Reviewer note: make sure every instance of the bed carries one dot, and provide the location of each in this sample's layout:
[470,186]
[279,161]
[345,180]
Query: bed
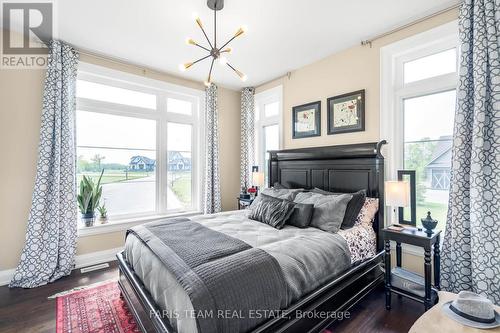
[151,291]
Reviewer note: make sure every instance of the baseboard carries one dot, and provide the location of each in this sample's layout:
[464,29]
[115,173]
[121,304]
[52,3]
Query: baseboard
[82,260]
[94,258]
[6,276]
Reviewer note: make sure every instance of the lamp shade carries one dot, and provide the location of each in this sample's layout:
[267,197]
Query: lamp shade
[258,178]
[397,193]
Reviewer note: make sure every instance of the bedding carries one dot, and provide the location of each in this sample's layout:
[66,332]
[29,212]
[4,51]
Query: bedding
[212,268]
[328,211]
[272,211]
[353,207]
[367,212]
[280,193]
[307,257]
[301,215]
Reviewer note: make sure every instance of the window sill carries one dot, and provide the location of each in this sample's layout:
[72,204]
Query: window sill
[124,224]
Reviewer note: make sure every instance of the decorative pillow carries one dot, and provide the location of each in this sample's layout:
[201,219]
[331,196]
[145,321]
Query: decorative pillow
[353,207]
[329,210]
[278,186]
[286,194]
[272,211]
[301,215]
[367,213]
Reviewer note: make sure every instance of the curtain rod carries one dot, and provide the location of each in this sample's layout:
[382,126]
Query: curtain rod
[371,40]
[120,61]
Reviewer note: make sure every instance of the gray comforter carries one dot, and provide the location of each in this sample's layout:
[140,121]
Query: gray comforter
[217,271]
[308,258]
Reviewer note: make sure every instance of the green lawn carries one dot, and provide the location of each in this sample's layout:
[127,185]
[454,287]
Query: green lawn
[438,212]
[114,176]
[181,186]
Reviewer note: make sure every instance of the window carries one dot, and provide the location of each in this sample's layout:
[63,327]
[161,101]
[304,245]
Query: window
[143,134]
[268,105]
[418,106]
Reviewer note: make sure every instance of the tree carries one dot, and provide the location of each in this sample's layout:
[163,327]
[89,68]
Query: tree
[82,164]
[417,156]
[97,160]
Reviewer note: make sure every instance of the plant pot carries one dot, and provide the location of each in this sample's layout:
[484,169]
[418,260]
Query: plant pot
[88,219]
[103,220]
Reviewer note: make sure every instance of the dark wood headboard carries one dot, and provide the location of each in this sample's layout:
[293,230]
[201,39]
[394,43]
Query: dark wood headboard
[346,168]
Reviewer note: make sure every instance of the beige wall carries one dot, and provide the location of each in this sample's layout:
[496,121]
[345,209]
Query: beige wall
[349,70]
[20,109]
[352,69]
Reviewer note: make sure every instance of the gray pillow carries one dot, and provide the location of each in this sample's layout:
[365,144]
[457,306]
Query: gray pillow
[329,210]
[353,207]
[301,215]
[278,186]
[286,194]
[272,211]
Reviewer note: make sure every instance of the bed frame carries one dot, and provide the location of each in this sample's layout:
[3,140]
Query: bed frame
[345,168]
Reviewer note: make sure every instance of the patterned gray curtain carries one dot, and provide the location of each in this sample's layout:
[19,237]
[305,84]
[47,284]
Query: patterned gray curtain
[212,200]
[247,136]
[471,249]
[49,250]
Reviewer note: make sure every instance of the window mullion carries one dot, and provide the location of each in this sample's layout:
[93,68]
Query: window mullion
[162,145]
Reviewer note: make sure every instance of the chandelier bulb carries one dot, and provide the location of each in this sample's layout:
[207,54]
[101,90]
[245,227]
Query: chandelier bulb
[197,18]
[185,66]
[243,29]
[243,77]
[227,50]
[207,83]
[190,41]
[222,60]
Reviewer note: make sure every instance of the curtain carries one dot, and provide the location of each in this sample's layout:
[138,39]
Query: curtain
[212,202]
[49,250]
[247,137]
[471,248]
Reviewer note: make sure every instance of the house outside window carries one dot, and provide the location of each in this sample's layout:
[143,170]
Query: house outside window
[418,95]
[145,135]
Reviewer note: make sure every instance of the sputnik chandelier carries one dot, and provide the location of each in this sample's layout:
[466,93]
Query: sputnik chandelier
[214,51]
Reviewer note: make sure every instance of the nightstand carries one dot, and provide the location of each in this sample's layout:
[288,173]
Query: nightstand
[412,236]
[243,203]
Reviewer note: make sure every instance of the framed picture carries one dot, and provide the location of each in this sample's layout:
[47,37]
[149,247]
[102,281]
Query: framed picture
[306,120]
[346,113]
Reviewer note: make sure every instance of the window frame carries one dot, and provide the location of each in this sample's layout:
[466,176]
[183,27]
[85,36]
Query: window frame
[261,121]
[162,90]
[394,91]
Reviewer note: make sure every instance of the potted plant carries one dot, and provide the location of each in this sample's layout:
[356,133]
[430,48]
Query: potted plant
[88,198]
[103,213]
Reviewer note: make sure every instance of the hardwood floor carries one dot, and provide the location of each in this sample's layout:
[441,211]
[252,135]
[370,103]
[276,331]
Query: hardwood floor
[29,310]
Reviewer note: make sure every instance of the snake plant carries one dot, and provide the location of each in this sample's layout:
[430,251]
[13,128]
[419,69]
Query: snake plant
[90,194]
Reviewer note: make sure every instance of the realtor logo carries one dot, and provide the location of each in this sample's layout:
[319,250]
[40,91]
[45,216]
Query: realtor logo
[27,27]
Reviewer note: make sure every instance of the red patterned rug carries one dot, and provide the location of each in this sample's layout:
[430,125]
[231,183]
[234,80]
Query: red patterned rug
[96,309]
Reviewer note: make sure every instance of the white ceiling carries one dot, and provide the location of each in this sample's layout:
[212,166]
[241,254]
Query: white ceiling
[283,35]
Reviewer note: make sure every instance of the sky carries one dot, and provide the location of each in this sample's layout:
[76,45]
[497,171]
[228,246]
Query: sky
[429,116]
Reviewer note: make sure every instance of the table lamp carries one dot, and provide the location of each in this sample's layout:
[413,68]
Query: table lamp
[257,180]
[397,194]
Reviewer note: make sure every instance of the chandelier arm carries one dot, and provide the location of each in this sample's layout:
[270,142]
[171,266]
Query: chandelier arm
[234,69]
[229,41]
[206,37]
[203,47]
[194,62]
[210,71]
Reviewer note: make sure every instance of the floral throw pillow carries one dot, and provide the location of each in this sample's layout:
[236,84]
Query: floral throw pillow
[367,212]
